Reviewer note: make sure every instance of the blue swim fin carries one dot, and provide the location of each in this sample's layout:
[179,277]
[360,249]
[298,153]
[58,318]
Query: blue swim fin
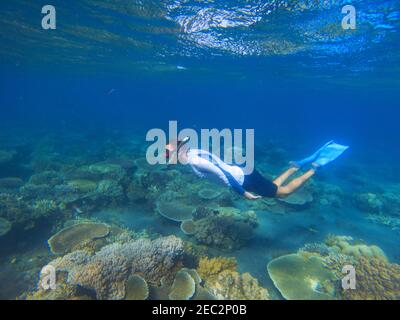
[311,158]
[329,153]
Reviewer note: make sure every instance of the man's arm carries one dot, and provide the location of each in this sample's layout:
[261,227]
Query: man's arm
[251,196]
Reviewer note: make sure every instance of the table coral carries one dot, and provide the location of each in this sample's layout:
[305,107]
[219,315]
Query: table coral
[68,238]
[183,287]
[299,200]
[175,211]
[188,227]
[136,288]
[298,277]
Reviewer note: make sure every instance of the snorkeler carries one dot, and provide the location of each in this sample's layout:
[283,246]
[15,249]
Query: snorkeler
[254,185]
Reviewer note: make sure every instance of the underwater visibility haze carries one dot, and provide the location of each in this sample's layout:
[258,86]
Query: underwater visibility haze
[84,81]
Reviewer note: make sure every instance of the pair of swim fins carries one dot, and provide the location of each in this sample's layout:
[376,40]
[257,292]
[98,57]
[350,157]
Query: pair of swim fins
[324,155]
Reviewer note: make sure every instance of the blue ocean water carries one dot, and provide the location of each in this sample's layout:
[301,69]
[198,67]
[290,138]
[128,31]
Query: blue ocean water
[88,92]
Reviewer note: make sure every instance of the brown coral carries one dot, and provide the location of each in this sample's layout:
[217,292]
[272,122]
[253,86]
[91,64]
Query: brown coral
[212,267]
[375,280]
[231,285]
[107,271]
[224,282]
[68,238]
[102,276]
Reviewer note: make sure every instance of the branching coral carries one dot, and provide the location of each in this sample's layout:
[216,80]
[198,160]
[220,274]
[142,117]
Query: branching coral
[106,271]
[231,285]
[375,280]
[345,246]
[212,267]
[43,207]
[224,282]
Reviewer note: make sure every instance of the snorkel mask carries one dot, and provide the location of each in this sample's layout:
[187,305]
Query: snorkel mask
[169,154]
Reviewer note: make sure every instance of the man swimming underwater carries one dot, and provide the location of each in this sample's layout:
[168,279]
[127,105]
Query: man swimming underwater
[254,185]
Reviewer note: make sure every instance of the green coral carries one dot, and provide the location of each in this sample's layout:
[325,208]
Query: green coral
[184,286]
[298,277]
[69,238]
[136,288]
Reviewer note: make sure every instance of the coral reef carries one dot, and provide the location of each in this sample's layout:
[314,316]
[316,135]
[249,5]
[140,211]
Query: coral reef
[48,177]
[209,194]
[224,227]
[298,277]
[225,283]
[188,227]
[208,268]
[376,277]
[183,287]
[82,185]
[329,194]
[136,288]
[5,226]
[174,210]
[369,202]
[231,285]
[344,245]
[43,207]
[299,200]
[63,291]
[107,270]
[16,210]
[376,280]
[68,238]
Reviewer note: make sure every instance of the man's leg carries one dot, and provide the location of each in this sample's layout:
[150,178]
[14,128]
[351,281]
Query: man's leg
[292,186]
[283,177]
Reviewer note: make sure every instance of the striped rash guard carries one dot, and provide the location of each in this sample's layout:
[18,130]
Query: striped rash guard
[206,165]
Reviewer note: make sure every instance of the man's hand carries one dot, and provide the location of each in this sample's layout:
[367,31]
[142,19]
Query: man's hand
[251,196]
